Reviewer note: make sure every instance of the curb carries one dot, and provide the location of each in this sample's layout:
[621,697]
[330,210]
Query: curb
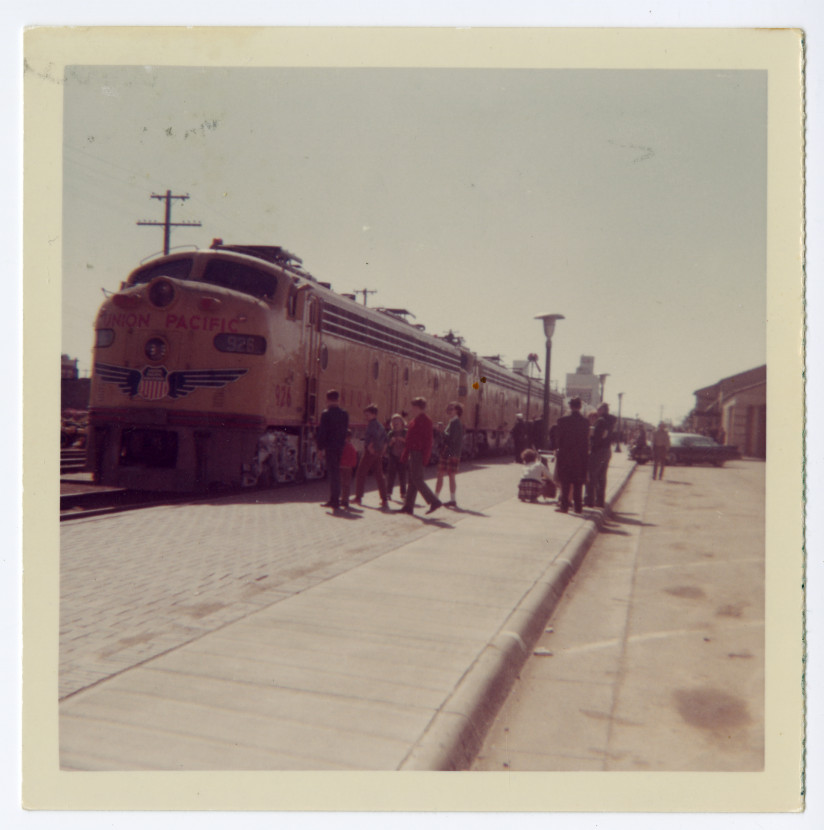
[456,733]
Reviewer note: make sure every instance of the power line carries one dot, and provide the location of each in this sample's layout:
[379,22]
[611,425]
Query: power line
[167,223]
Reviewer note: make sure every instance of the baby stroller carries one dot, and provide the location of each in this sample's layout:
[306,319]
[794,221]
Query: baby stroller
[529,489]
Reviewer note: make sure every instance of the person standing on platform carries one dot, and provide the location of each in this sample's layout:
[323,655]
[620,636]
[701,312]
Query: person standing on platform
[660,448]
[600,453]
[331,436]
[396,442]
[374,443]
[520,436]
[450,452]
[417,451]
[348,462]
[572,456]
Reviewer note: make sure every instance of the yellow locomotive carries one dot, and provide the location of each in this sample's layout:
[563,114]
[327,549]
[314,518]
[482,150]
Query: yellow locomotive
[211,367]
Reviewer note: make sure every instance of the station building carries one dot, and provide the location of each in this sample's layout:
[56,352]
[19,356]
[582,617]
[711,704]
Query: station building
[734,411]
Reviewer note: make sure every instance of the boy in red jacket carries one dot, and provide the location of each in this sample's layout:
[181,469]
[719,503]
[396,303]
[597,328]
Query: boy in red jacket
[417,451]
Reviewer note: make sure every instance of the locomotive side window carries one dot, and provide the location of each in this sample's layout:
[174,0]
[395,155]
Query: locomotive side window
[375,370]
[406,376]
[292,302]
[240,277]
[315,314]
[175,268]
[324,357]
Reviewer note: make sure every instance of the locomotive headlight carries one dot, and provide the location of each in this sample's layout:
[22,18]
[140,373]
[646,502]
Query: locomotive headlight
[103,338]
[161,293]
[156,349]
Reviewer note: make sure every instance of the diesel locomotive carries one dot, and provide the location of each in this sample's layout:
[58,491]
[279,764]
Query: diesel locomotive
[206,362]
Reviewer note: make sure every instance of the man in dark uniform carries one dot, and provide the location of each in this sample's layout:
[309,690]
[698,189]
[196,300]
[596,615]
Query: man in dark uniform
[331,437]
[572,455]
[599,457]
[520,436]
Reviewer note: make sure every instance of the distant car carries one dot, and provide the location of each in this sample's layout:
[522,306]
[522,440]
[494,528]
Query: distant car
[686,448]
[641,453]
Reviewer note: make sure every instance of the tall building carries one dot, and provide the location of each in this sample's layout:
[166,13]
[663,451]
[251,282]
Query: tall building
[68,367]
[74,390]
[584,383]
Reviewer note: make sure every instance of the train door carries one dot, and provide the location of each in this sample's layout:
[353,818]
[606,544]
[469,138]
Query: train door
[312,467]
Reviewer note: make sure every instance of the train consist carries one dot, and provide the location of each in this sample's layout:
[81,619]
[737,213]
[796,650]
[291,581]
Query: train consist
[206,362]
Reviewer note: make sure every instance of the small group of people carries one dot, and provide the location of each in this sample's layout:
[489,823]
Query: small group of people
[407,447]
[525,435]
[583,449]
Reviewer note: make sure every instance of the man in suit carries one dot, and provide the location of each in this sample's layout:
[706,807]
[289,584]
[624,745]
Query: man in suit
[331,436]
[601,441]
[417,451]
[520,436]
[572,456]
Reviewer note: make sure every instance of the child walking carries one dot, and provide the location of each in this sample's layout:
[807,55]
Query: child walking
[348,462]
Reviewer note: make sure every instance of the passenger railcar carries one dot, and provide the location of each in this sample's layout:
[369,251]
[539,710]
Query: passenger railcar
[208,362]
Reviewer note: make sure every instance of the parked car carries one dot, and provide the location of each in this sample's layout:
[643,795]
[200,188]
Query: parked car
[686,448]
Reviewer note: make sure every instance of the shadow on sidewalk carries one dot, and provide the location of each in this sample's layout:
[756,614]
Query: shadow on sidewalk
[468,512]
[624,519]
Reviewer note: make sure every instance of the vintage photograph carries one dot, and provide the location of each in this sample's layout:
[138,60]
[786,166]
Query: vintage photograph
[414,414]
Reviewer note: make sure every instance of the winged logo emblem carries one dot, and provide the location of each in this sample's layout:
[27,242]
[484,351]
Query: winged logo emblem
[155,382]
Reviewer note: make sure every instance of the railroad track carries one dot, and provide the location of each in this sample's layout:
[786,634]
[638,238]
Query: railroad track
[72,460]
[104,502]
[89,500]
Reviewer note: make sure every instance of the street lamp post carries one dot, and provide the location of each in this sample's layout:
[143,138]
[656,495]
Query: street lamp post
[603,379]
[549,329]
[618,442]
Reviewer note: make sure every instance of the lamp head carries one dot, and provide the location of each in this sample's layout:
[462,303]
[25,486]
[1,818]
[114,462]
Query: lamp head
[549,323]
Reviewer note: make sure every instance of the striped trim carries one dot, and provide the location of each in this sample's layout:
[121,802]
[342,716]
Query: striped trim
[361,329]
[507,381]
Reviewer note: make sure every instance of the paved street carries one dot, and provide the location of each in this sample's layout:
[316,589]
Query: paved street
[654,658]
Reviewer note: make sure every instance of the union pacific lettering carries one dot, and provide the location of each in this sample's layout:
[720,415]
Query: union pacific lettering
[197,322]
[188,322]
[125,319]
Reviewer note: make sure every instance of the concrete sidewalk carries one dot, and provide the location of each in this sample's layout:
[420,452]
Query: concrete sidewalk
[398,663]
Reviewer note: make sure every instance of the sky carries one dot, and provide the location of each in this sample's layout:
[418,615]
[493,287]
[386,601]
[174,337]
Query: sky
[632,202]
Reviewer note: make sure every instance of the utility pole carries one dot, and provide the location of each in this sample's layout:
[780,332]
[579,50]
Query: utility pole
[167,222]
[364,291]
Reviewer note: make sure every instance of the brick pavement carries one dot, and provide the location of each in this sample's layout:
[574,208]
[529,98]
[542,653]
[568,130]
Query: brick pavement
[137,584]
[390,649]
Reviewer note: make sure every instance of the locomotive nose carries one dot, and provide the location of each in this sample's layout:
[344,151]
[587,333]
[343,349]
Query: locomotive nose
[161,293]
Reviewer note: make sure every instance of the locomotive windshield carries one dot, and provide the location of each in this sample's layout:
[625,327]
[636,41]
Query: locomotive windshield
[223,272]
[240,277]
[175,268]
